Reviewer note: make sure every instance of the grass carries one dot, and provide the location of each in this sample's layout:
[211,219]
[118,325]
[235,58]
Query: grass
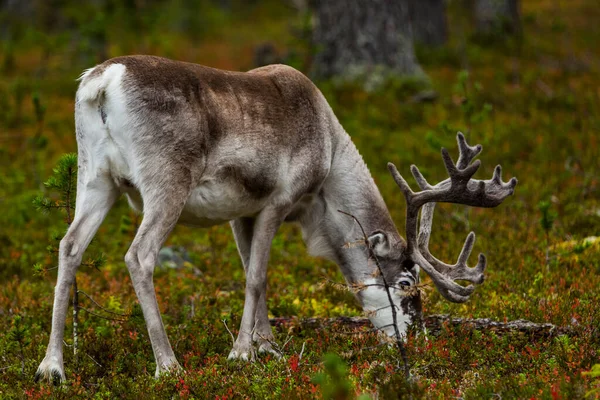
[541,122]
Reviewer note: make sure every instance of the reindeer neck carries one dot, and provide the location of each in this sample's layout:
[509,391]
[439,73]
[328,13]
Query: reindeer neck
[349,187]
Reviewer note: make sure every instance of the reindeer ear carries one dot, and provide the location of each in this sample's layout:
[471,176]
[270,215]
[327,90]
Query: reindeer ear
[379,243]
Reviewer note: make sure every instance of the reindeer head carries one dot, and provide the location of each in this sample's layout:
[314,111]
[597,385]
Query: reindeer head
[394,281]
[398,263]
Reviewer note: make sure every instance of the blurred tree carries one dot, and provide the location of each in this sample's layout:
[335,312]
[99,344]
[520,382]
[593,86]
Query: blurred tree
[496,17]
[354,36]
[429,23]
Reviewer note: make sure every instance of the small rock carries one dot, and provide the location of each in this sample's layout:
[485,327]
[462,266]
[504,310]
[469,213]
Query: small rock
[173,257]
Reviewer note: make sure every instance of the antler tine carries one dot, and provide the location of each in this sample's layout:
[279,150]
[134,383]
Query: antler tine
[400,181]
[411,211]
[461,270]
[467,248]
[497,177]
[495,191]
[455,298]
[459,176]
[447,287]
[466,153]
[421,181]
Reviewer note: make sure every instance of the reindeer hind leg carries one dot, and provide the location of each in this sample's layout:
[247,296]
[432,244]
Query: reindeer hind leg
[94,199]
[162,208]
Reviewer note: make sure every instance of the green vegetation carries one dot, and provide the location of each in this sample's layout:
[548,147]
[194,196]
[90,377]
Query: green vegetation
[533,105]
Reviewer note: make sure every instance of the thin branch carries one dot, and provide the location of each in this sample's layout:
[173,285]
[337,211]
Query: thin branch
[301,351]
[399,341]
[101,316]
[357,287]
[5,368]
[274,345]
[95,362]
[57,206]
[99,306]
[286,341]
[372,330]
[230,334]
[383,308]
[366,239]
[90,264]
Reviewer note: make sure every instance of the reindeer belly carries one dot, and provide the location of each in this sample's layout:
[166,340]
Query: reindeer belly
[214,203]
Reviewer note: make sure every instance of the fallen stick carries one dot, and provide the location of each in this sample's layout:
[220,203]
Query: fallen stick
[435,324]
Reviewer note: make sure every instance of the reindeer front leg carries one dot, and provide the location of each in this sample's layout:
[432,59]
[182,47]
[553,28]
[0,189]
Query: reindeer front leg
[243,229]
[263,232]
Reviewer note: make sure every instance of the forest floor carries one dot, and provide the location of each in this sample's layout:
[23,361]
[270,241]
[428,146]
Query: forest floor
[533,105]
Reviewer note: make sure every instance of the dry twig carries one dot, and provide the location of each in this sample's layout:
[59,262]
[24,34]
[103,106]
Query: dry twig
[230,334]
[399,342]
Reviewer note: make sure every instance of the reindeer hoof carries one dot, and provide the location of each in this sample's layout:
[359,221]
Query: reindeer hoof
[242,352]
[50,370]
[267,348]
[170,368]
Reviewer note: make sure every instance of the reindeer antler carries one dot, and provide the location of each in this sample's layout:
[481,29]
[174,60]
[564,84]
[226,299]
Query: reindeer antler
[460,189]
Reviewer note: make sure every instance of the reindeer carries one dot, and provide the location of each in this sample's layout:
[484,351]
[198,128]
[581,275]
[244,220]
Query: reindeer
[200,146]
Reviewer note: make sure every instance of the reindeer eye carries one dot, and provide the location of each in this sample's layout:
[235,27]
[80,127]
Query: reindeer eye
[404,283]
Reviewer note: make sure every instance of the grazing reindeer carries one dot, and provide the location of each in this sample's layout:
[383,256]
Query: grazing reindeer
[195,145]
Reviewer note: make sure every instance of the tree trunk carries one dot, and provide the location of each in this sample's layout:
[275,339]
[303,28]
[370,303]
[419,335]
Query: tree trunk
[355,36]
[429,23]
[497,17]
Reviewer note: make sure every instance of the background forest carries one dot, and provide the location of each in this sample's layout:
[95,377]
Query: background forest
[526,85]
